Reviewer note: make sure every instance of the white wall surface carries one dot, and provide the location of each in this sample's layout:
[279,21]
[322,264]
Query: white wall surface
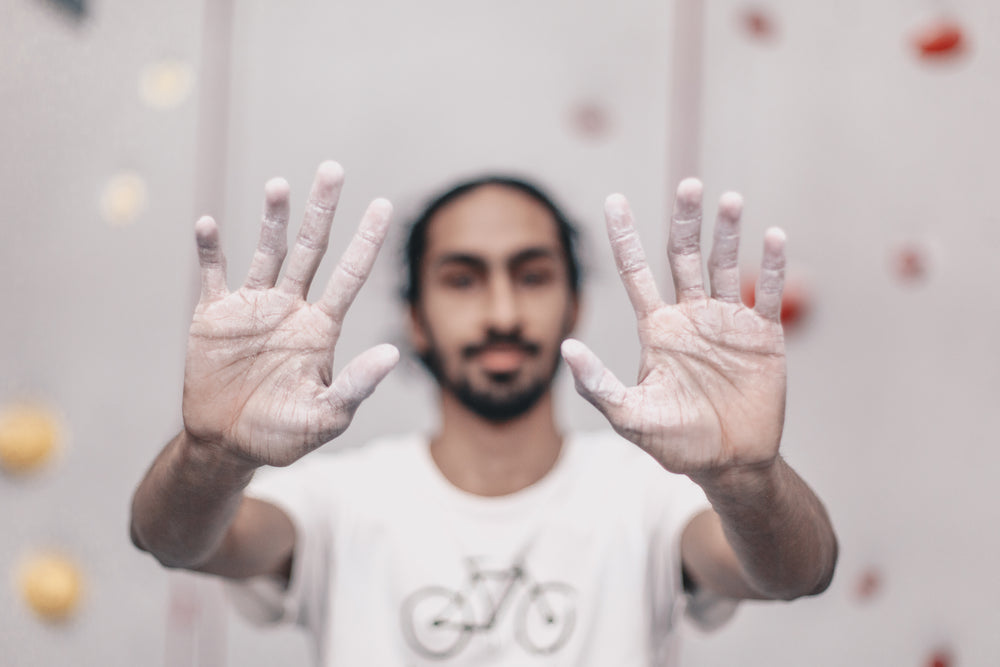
[92,316]
[833,130]
[839,133]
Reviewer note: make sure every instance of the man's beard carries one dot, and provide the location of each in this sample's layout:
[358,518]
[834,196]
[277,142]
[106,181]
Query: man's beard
[502,402]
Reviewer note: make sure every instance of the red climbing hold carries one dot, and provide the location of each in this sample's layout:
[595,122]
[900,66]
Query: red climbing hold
[758,23]
[909,262]
[591,120]
[942,37]
[940,659]
[868,585]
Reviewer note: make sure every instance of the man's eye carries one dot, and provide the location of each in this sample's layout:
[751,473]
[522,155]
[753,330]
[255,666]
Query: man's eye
[458,280]
[534,278]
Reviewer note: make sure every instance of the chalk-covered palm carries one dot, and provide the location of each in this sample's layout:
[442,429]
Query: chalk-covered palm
[711,390]
[258,377]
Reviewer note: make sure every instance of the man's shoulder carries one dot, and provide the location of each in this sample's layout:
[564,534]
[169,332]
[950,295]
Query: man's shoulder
[613,460]
[342,464]
[606,448]
[385,446]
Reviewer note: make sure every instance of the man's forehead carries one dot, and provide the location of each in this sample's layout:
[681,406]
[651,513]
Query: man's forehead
[492,220]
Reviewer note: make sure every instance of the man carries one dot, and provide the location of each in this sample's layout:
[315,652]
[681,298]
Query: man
[498,540]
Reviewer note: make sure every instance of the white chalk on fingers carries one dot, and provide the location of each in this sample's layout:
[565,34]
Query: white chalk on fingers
[774,249]
[382,206]
[775,236]
[591,374]
[731,204]
[330,169]
[571,348]
[205,227]
[616,206]
[362,374]
[385,355]
[377,218]
[276,190]
[689,192]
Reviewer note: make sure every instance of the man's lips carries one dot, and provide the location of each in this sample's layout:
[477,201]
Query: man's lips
[501,359]
[501,356]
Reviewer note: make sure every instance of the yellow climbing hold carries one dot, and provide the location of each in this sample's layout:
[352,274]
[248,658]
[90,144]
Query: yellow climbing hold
[29,435]
[51,585]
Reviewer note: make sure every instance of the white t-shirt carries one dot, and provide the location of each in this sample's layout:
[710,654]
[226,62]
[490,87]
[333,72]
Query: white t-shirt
[394,565]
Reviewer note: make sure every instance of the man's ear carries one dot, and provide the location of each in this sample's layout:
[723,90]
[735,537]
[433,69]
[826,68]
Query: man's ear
[418,333]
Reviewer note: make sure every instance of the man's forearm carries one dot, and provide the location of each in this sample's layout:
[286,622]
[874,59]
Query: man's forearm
[186,502]
[777,527]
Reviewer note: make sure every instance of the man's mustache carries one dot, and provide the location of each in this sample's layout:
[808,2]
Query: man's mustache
[501,340]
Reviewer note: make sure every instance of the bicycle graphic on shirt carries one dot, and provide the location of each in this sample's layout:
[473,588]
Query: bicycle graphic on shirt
[439,622]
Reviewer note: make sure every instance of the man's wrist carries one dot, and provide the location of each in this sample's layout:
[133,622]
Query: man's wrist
[741,483]
[213,460]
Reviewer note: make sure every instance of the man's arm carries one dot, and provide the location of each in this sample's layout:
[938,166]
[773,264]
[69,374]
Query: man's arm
[768,537]
[259,388]
[710,404]
[190,512]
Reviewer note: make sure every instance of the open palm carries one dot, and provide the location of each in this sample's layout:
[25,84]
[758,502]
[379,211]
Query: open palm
[258,378]
[711,389]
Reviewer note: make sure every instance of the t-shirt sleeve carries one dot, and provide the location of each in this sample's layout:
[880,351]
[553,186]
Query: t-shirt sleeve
[680,500]
[265,600]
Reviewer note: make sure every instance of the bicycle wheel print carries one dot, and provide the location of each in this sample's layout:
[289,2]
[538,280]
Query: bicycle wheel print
[546,616]
[437,622]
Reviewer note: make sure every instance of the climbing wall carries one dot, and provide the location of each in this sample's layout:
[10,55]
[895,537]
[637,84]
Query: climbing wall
[98,131]
[867,132]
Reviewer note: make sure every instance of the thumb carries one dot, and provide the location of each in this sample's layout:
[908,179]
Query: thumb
[593,380]
[358,379]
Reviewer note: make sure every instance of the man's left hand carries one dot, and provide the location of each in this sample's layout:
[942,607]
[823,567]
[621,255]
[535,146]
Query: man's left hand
[711,392]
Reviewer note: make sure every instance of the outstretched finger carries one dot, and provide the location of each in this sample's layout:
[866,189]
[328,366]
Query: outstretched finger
[273,244]
[630,257]
[357,261]
[771,282]
[723,263]
[684,244]
[593,380]
[358,379]
[211,260]
[314,235]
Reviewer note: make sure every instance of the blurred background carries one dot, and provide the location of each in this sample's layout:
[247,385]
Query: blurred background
[868,131]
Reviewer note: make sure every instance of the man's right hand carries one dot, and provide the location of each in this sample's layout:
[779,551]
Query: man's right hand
[258,381]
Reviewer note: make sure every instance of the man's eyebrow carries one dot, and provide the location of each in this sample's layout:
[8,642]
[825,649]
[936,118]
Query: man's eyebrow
[477,262]
[529,254]
[466,259]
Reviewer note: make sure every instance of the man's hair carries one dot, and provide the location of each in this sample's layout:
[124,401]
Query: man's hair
[416,243]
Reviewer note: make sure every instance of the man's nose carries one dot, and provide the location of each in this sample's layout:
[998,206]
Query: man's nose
[503,313]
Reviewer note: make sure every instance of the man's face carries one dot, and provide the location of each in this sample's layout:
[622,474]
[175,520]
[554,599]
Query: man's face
[495,301]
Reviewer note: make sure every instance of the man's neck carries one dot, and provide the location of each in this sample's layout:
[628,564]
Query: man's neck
[495,459]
